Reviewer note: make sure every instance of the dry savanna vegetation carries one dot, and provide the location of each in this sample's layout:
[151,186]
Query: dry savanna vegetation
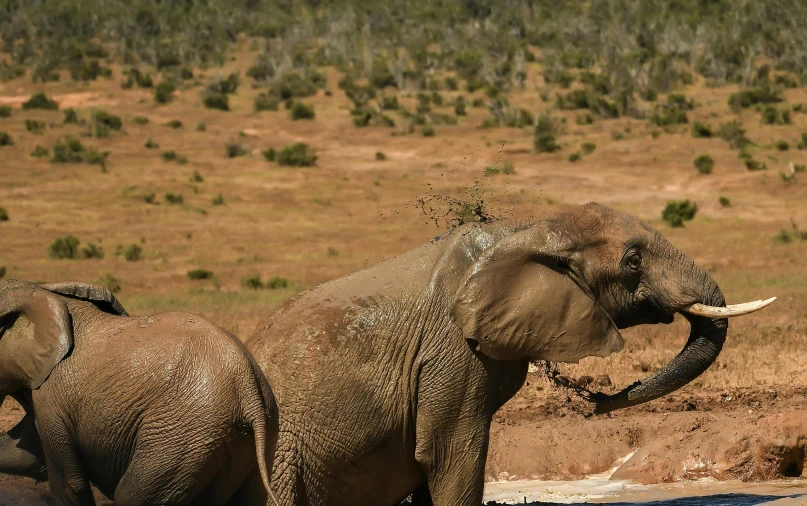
[265,147]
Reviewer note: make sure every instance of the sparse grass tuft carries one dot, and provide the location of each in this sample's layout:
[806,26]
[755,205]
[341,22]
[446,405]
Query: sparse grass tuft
[34,126]
[587,148]
[199,274]
[110,282]
[676,212]
[196,177]
[133,253]
[140,120]
[40,152]
[218,200]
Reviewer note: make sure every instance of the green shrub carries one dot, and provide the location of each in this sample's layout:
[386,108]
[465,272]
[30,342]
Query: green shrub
[233,150]
[174,198]
[269,154]
[140,120]
[133,253]
[5,111]
[299,110]
[34,126]
[734,133]
[760,95]
[252,283]
[70,150]
[196,177]
[724,201]
[218,200]
[218,101]
[174,123]
[135,77]
[201,126]
[92,251]
[701,130]
[704,164]
[150,198]
[782,145]
[266,102]
[546,143]
[754,165]
[784,237]
[3,214]
[459,106]
[40,101]
[169,156]
[507,167]
[388,103]
[297,155]
[587,148]
[584,119]
[164,92]
[40,152]
[427,131]
[276,282]
[5,139]
[71,117]
[676,212]
[478,102]
[773,116]
[450,83]
[106,119]
[225,86]
[574,157]
[64,248]
[150,144]
[380,156]
[199,274]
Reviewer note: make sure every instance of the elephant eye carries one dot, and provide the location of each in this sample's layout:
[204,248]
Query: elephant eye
[634,261]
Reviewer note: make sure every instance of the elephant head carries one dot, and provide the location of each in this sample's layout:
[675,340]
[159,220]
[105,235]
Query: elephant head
[559,289]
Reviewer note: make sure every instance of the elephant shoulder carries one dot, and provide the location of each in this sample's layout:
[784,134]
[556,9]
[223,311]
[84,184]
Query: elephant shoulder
[98,295]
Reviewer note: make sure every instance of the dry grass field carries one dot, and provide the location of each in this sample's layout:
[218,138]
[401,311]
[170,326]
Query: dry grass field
[244,216]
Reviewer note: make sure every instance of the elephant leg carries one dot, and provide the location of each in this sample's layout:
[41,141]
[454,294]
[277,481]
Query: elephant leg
[21,451]
[67,480]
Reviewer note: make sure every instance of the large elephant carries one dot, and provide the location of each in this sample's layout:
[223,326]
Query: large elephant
[387,379]
[162,409]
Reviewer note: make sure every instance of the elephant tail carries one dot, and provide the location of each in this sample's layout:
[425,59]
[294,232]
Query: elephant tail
[264,423]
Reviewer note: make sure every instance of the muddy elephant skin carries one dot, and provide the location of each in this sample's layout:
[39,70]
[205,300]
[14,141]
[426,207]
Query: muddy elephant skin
[387,379]
[163,409]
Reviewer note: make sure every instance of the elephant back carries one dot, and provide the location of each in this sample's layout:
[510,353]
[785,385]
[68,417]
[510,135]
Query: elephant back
[98,295]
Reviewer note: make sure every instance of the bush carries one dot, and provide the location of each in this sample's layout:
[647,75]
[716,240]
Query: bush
[734,133]
[269,154]
[676,212]
[506,168]
[5,139]
[5,111]
[701,130]
[70,150]
[106,119]
[574,157]
[64,248]
[40,101]
[299,110]
[388,103]
[233,150]
[3,214]
[380,156]
[724,202]
[218,200]
[201,126]
[71,117]
[150,144]
[276,282]
[266,102]
[252,283]
[174,198]
[110,282]
[784,237]
[34,126]
[199,274]
[40,152]
[174,123]
[140,120]
[164,92]
[196,177]
[133,253]
[297,155]
[459,106]
[218,101]
[584,119]
[92,251]
[135,77]
[754,165]
[427,131]
[782,145]
[773,116]
[704,164]
[169,156]
[759,95]
[226,86]
[587,148]
[150,198]
[478,102]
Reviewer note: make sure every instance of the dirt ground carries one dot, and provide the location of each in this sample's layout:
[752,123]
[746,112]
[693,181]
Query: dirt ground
[744,418]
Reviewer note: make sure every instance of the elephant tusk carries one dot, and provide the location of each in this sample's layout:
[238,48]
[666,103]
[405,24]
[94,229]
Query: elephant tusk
[728,311]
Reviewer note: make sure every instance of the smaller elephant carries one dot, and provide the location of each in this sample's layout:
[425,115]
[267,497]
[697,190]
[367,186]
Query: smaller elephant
[162,409]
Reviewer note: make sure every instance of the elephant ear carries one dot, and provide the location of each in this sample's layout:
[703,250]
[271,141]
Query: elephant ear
[518,301]
[98,295]
[36,333]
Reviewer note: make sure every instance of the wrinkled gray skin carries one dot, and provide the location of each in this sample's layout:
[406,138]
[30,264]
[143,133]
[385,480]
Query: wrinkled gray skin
[387,379]
[162,409]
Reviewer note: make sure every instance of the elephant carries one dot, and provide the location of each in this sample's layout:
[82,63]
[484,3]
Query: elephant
[160,409]
[387,379]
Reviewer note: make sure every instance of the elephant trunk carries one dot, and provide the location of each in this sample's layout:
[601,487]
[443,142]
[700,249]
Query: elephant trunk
[706,339]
